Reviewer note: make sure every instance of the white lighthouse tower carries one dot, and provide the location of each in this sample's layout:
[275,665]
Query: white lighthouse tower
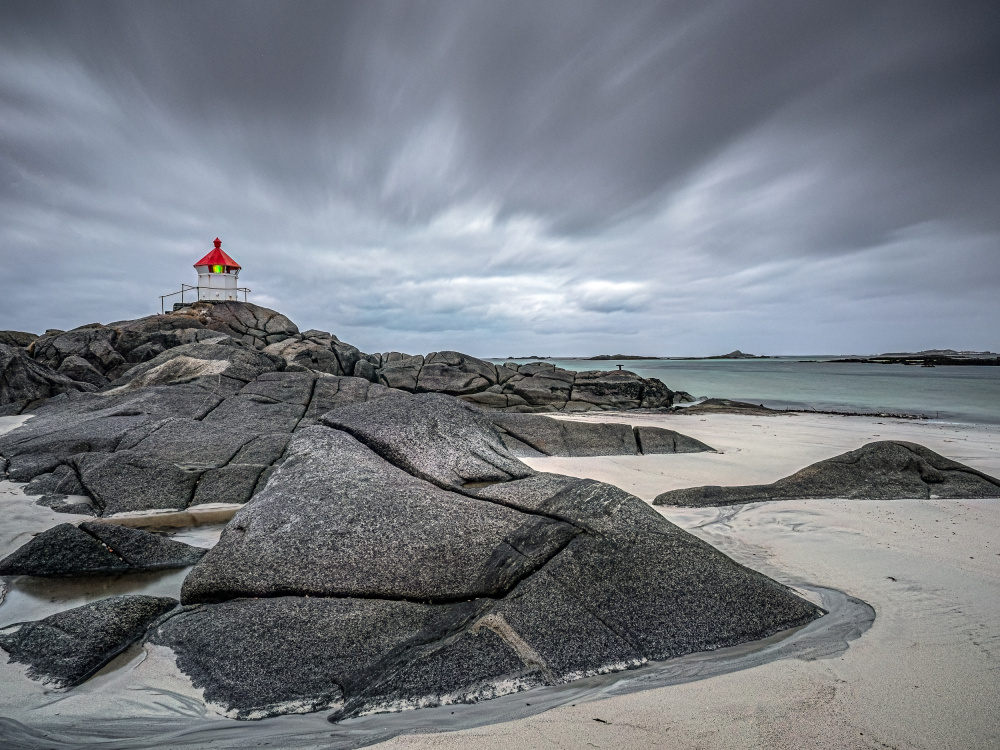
[217,275]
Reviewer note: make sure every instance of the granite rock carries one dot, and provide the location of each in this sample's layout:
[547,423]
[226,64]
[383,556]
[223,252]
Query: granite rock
[432,436]
[337,520]
[97,549]
[24,381]
[883,470]
[68,647]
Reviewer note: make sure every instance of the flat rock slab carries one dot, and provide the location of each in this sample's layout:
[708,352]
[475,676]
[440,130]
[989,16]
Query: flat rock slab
[528,435]
[338,520]
[883,470]
[653,440]
[434,437]
[538,435]
[97,549]
[68,647]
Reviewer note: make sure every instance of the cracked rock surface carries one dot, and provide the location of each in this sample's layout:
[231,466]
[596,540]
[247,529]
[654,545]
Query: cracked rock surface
[375,574]
[882,470]
[97,549]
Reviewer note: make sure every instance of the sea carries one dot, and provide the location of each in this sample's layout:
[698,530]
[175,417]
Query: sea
[959,393]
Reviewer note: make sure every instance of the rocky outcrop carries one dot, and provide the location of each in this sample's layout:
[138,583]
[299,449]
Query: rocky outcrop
[533,387]
[883,470]
[201,423]
[24,382]
[539,435]
[17,338]
[318,351]
[400,557]
[112,349]
[97,549]
[66,648]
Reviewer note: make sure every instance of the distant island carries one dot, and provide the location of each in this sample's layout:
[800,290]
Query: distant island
[737,354]
[621,356]
[928,358]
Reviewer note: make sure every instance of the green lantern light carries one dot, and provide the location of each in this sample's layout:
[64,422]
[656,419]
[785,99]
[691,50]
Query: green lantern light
[217,269]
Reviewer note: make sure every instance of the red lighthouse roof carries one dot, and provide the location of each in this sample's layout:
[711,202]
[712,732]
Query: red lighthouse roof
[217,257]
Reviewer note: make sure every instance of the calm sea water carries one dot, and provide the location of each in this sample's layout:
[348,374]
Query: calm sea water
[964,394]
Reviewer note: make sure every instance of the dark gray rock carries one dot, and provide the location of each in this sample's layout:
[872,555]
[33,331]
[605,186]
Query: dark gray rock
[659,440]
[66,648]
[17,338]
[143,550]
[61,481]
[883,470]
[63,550]
[88,422]
[455,374]
[306,652]
[318,351]
[93,343]
[361,527]
[97,549]
[79,369]
[536,434]
[474,664]
[23,380]
[619,389]
[234,483]
[130,480]
[400,372]
[432,436]
[628,588]
[365,369]
[60,504]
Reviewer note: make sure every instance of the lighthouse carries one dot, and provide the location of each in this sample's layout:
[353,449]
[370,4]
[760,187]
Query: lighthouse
[217,274]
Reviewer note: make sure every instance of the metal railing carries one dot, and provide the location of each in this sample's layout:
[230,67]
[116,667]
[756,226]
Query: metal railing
[189,288]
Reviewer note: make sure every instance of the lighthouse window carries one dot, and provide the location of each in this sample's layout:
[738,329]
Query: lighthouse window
[216,269]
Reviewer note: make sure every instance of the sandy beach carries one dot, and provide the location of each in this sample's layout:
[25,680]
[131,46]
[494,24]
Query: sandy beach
[924,676]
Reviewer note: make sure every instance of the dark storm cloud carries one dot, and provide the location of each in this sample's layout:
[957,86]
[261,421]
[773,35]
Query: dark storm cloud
[679,177]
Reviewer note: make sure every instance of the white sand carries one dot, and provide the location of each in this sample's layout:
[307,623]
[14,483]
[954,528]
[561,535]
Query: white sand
[927,674]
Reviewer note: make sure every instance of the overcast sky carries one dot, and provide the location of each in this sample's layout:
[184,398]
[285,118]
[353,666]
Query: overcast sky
[509,178]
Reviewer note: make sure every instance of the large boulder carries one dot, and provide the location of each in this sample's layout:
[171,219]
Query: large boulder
[883,470]
[97,549]
[455,374]
[66,648]
[318,351]
[93,343]
[24,381]
[652,440]
[319,503]
[426,600]
[539,435]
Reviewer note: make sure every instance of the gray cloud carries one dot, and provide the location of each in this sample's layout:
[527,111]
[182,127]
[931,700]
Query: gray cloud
[672,177]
